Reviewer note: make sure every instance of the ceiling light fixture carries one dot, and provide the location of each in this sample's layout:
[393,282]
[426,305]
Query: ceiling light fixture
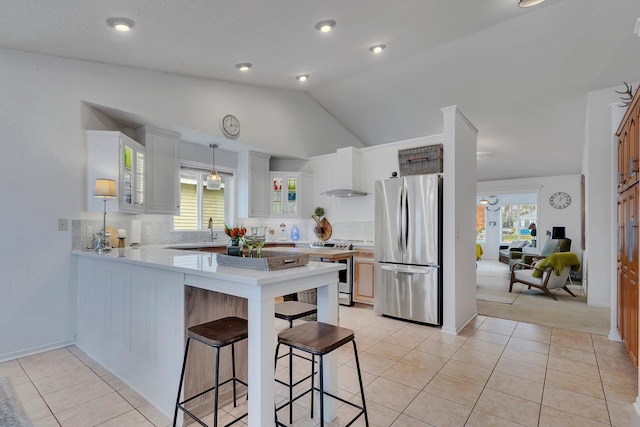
[491,201]
[325,26]
[120,24]
[302,77]
[244,66]
[214,181]
[529,3]
[377,48]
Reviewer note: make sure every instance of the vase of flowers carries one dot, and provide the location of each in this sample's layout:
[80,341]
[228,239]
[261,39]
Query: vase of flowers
[235,233]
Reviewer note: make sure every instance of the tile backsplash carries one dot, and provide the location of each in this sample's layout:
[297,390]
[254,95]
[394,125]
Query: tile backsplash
[156,229]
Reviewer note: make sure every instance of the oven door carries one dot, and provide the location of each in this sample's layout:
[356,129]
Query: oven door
[345,280]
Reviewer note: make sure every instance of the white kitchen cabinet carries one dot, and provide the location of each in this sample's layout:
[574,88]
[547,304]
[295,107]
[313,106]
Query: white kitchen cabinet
[290,194]
[162,176]
[253,185]
[113,155]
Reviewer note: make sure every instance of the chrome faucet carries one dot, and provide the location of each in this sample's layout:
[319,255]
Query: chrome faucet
[210,227]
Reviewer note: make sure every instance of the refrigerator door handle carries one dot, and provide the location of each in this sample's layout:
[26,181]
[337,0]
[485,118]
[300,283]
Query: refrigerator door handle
[407,269]
[403,219]
[399,221]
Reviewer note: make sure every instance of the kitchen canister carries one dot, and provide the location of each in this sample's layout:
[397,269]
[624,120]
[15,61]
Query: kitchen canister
[282,234]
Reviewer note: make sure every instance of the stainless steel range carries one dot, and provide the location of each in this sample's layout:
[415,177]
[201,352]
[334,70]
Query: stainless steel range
[343,255]
[332,244]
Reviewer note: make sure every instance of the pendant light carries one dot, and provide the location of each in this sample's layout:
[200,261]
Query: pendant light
[214,181]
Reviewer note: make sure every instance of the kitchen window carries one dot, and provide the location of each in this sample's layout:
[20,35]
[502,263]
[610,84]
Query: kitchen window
[198,204]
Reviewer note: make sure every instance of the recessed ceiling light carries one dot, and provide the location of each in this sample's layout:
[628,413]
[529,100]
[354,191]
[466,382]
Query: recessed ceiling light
[529,3]
[302,77]
[120,24]
[377,48]
[244,66]
[325,26]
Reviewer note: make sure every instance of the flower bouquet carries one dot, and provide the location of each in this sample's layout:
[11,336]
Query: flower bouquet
[234,234]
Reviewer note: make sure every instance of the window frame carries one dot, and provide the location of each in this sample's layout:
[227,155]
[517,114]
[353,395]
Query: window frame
[517,221]
[204,169]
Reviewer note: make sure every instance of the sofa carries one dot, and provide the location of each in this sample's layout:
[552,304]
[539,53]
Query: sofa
[511,251]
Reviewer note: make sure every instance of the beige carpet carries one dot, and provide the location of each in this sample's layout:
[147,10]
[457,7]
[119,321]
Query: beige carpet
[532,306]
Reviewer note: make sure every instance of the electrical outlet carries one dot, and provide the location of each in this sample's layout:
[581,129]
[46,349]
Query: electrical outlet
[147,230]
[89,231]
[63,225]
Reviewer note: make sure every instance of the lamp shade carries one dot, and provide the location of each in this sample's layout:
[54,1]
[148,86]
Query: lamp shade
[558,233]
[105,188]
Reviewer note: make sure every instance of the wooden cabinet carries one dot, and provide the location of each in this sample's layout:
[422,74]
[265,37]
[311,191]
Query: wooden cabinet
[162,175]
[253,185]
[628,270]
[629,147]
[627,218]
[290,194]
[363,282]
[113,155]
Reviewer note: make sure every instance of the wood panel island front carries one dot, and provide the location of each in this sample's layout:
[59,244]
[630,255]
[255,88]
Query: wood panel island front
[134,305]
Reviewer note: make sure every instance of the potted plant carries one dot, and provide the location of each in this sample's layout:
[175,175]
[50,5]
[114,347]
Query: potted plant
[234,234]
[319,212]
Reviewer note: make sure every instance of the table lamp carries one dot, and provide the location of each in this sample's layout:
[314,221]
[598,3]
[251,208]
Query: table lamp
[104,189]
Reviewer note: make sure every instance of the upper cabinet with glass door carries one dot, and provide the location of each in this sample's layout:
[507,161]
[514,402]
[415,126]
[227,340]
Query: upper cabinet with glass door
[290,194]
[113,155]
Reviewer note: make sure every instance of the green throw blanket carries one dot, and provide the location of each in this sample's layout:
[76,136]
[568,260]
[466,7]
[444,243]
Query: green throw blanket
[557,260]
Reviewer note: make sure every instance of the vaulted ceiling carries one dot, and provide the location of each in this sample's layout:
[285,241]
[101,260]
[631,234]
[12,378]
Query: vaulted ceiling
[520,75]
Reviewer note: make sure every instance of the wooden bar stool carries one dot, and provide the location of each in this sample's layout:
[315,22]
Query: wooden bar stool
[218,334]
[290,311]
[320,339]
[294,310]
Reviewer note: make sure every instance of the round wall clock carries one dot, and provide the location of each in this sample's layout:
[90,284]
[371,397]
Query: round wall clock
[560,200]
[230,126]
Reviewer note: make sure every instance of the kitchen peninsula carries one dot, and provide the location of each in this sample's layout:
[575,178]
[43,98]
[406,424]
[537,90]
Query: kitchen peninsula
[134,305]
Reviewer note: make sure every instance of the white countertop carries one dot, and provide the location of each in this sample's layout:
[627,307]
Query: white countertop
[204,264]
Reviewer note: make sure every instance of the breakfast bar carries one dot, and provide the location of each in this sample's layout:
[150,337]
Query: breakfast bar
[134,305]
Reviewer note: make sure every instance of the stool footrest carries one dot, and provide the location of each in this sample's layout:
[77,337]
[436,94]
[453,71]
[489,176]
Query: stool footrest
[211,389]
[287,403]
[296,383]
[343,401]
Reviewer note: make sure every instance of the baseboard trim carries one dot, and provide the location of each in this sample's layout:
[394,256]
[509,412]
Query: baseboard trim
[35,350]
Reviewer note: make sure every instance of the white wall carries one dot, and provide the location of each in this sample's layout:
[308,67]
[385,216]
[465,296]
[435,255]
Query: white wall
[459,231]
[42,166]
[600,167]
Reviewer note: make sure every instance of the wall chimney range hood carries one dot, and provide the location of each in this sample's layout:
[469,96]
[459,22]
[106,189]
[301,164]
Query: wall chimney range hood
[347,174]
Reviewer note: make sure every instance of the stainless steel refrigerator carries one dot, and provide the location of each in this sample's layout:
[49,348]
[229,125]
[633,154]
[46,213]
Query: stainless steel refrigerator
[408,225]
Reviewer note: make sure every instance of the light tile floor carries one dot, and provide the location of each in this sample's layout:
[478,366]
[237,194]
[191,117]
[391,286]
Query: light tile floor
[495,373]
